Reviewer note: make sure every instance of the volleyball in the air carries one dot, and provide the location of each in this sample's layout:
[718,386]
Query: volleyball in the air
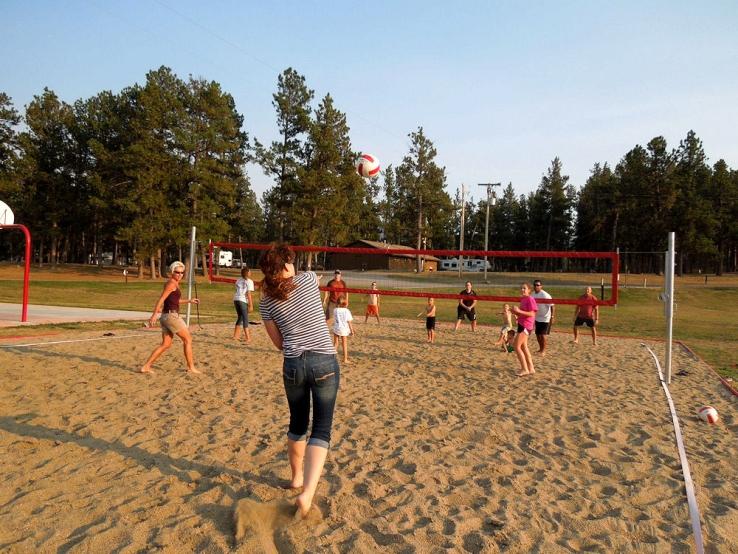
[367,165]
[708,414]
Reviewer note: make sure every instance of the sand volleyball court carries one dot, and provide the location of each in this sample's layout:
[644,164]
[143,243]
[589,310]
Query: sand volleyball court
[435,448]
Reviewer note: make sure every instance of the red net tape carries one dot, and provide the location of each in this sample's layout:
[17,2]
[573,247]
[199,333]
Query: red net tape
[612,256]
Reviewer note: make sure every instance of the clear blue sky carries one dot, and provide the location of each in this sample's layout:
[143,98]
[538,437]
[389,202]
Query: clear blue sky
[501,88]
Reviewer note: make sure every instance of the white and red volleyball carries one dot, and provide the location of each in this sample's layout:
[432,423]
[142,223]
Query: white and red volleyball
[367,165]
[708,414]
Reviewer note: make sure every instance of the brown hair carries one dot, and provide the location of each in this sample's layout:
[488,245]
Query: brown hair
[245,272]
[343,301]
[272,264]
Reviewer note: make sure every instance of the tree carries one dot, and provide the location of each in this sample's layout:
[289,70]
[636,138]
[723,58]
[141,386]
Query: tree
[320,210]
[284,157]
[153,162]
[387,206]
[551,211]
[420,185]
[211,152]
[9,152]
[693,218]
[49,177]
[502,217]
[724,199]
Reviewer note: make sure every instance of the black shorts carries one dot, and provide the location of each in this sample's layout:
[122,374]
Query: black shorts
[578,322]
[430,323]
[523,330]
[543,327]
[471,315]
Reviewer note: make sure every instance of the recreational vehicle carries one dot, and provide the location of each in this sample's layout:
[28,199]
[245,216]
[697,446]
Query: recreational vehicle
[225,258]
[468,265]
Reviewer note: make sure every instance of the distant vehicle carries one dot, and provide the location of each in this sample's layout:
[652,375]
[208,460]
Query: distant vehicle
[449,264]
[468,264]
[225,258]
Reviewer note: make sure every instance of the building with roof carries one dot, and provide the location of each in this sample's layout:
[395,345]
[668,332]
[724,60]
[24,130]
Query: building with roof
[388,262]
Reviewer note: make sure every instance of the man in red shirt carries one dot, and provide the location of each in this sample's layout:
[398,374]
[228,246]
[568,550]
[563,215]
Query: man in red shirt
[586,312]
[331,297]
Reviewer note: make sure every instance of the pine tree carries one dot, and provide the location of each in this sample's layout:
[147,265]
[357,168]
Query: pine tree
[49,178]
[285,157]
[421,191]
[693,218]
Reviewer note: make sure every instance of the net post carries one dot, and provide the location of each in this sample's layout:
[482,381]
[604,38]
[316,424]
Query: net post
[615,277]
[669,298]
[26,267]
[191,273]
[211,248]
[26,273]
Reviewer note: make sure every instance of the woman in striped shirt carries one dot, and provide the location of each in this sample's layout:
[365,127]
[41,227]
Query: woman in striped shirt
[293,316]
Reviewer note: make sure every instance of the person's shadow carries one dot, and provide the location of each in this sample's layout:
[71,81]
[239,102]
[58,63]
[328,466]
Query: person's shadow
[177,467]
[51,354]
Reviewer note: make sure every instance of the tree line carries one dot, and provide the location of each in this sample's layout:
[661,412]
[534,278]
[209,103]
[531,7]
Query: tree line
[130,172]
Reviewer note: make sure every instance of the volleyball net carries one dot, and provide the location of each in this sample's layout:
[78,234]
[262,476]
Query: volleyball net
[408,272]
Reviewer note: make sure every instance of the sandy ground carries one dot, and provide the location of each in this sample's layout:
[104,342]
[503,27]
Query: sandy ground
[435,448]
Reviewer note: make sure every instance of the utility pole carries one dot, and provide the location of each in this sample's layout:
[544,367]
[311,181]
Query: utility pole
[461,235]
[490,200]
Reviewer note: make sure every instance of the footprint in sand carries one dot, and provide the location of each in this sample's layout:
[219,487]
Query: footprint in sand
[259,525]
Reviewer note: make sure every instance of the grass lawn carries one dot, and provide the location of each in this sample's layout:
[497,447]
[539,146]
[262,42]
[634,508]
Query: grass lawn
[700,319]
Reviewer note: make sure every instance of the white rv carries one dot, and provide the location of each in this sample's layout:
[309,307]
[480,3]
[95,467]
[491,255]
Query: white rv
[449,264]
[225,258]
[468,265]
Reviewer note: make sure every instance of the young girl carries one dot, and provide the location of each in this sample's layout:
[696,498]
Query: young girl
[526,313]
[244,304]
[342,326]
[507,331]
[430,320]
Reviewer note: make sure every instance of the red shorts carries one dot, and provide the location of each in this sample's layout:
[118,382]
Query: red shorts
[372,309]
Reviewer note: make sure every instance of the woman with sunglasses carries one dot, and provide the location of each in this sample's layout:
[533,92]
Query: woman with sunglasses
[171,323]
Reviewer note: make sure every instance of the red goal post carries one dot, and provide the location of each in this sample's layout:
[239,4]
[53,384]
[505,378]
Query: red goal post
[612,256]
[27,267]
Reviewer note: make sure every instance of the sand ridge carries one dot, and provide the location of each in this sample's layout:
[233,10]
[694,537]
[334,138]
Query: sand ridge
[435,448]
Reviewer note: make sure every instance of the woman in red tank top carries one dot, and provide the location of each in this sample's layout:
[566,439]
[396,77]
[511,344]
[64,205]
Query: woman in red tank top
[171,323]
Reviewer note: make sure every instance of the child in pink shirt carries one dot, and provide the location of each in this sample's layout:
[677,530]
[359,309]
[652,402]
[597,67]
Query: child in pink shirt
[526,313]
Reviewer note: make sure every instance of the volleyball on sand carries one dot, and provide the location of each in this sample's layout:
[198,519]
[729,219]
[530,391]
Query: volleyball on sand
[367,165]
[708,414]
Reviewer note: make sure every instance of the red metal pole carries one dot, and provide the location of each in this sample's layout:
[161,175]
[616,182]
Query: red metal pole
[27,269]
[26,273]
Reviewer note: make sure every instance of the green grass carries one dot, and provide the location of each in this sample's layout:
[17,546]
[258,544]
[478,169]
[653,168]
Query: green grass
[701,319]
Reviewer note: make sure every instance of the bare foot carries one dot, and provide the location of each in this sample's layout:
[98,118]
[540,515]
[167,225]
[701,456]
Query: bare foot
[303,508]
[194,370]
[524,373]
[575,341]
[146,370]
[292,485]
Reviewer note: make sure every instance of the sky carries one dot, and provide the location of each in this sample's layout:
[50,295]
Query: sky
[500,87]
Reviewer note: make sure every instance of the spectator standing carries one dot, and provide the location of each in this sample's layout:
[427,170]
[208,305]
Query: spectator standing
[244,303]
[586,313]
[467,307]
[544,316]
[330,299]
[372,305]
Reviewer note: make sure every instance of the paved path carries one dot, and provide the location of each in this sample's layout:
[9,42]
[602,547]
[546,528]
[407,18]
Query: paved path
[10,315]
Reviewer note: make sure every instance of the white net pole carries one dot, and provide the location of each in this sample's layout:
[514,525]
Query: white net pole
[191,273]
[669,297]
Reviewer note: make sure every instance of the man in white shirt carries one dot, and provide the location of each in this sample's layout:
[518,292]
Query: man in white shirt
[544,316]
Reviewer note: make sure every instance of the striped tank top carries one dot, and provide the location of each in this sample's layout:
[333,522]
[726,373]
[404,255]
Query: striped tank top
[300,318]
